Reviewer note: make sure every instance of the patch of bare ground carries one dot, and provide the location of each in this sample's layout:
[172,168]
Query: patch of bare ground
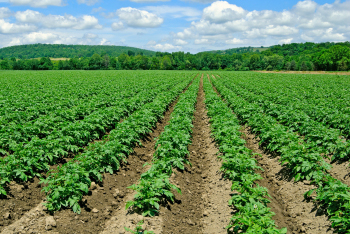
[340,171]
[21,197]
[100,208]
[307,72]
[203,205]
[292,210]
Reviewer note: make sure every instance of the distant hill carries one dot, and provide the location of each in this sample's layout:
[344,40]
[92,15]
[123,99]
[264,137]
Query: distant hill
[240,50]
[66,51]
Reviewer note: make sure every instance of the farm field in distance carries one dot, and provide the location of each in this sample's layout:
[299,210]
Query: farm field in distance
[174,152]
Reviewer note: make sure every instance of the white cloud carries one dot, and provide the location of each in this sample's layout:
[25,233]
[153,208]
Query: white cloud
[222,11]
[34,37]
[37,3]
[280,30]
[58,21]
[151,43]
[5,12]
[305,8]
[306,21]
[139,18]
[88,2]
[117,26]
[234,41]
[165,47]
[175,12]
[10,28]
[56,38]
[180,42]
[202,41]
[285,41]
[90,35]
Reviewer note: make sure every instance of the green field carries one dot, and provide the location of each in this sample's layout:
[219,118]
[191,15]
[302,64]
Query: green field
[278,144]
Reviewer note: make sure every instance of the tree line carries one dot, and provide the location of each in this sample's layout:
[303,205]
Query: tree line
[295,57]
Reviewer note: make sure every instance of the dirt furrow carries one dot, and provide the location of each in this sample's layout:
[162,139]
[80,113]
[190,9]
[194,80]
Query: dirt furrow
[340,171]
[292,210]
[104,200]
[203,205]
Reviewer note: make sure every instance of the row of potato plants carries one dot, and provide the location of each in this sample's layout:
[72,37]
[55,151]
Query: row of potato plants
[239,166]
[325,100]
[39,154]
[171,153]
[66,185]
[301,158]
[13,135]
[328,140]
[24,98]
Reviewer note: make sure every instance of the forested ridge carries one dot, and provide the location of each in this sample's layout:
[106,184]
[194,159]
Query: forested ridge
[329,56]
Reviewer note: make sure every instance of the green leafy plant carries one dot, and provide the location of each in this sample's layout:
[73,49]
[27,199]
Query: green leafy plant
[138,229]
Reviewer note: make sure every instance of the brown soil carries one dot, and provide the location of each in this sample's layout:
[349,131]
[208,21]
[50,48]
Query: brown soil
[292,210]
[104,199]
[21,198]
[203,205]
[340,171]
[307,72]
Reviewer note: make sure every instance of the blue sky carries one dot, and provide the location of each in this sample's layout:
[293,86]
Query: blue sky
[173,25]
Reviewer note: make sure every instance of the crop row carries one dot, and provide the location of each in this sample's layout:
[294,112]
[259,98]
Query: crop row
[24,99]
[328,140]
[14,135]
[300,157]
[39,154]
[171,153]
[326,102]
[250,200]
[66,185]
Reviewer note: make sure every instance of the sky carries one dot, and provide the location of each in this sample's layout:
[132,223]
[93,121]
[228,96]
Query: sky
[173,25]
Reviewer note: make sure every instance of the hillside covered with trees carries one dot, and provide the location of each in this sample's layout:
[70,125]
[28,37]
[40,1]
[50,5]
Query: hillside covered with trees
[296,57]
[66,51]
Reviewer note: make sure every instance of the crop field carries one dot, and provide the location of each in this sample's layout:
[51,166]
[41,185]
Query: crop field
[197,152]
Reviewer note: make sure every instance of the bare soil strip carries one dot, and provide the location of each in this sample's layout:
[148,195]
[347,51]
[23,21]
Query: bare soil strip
[203,205]
[340,171]
[292,210]
[287,197]
[104,200]
[21,198]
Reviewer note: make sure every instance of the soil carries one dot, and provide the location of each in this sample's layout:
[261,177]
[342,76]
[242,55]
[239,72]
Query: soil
[202,208]
[21,197]
[103,201]
[340,171]
[203,205]
[307,72]
[292,210]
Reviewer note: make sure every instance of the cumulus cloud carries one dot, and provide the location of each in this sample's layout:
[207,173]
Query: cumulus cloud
[180,42]
[165,47]
[88,2]
[116,26]
[306,21]
[222,11]
[57,38]
[234,41]
[175,12]
[138,18]
[58,21]
[37,3]
[201,41]
[10,28]
[90,35]
[5,12]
